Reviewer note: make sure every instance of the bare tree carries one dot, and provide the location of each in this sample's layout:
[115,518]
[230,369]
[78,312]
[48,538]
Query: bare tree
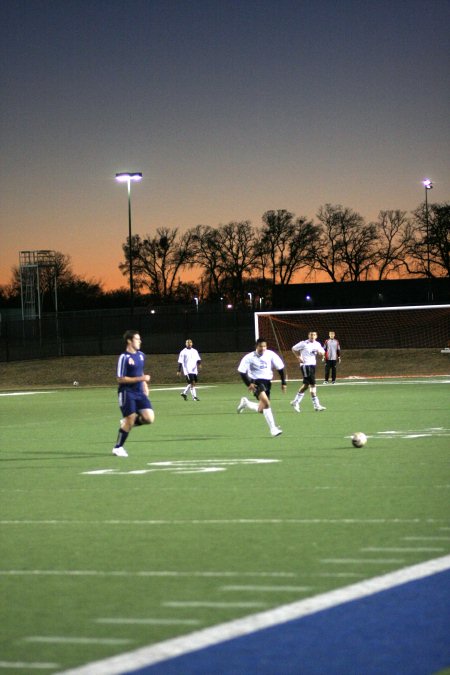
[158,260]
[428,251]
[238,256]
[286,245]
[207,255]
[346,245]
[395,234]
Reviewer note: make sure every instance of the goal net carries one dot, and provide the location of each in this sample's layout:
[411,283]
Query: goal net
[415,327]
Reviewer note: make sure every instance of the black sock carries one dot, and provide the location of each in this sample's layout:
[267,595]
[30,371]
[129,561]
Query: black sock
[121,438]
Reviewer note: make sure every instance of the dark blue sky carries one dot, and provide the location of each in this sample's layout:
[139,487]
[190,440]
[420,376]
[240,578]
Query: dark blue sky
[229,108]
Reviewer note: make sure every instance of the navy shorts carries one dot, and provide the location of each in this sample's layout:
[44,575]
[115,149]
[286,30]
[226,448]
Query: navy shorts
[132,402]
[192,378]
[309,375]
[262,385]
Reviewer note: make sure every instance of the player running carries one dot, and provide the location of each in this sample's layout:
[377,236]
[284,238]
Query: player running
[256,371]
[134,403]
[306,352]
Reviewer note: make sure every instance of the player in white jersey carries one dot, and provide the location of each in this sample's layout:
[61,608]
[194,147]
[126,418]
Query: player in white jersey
[189,362]
[256,370]
[306,352]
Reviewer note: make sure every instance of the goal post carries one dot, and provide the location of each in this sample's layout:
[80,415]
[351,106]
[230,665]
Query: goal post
[410,327]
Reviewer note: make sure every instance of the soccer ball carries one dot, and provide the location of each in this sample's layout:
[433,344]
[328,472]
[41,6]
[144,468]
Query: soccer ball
[75,383]
[359,439]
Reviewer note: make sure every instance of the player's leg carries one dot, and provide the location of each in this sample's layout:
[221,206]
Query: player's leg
[127,406]
[264,407]
[314,397]
[184,393]
[295,403]
[333,372]
[146,413]
[193,380]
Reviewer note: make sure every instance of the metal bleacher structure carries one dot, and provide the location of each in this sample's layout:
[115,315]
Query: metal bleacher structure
[31,263]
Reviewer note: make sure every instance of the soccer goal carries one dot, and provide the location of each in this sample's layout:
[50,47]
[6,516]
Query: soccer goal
[415,327]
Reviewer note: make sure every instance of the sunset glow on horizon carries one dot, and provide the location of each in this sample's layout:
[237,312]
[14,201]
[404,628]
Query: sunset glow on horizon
[228,109]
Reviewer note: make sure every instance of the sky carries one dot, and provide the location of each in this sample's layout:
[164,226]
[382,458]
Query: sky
[229,108]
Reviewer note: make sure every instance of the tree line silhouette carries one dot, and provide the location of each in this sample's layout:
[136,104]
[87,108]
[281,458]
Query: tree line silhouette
[237,260]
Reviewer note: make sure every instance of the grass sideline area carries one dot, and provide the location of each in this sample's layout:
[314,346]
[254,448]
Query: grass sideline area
[209,519]
[218,367]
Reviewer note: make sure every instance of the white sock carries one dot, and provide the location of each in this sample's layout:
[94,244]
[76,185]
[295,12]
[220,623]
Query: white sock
[186,390]
[251,405]
[315,401]
[268,414]
[193,392]
[299,396]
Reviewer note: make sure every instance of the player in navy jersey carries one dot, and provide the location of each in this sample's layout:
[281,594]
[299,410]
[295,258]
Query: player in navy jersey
[134,403]
[256,371]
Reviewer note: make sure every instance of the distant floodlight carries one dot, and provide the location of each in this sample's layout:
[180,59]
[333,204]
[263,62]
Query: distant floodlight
[125,177]
[428,186]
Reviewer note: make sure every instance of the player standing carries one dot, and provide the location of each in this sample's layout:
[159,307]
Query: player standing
[256,370]
[306,352]
[189,362]
[134,403]
[332,356]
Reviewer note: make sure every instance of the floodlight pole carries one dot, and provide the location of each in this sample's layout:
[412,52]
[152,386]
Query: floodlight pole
[127,178]
[428,185]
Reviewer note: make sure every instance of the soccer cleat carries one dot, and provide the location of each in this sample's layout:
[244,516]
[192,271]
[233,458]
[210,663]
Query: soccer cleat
[318,408]
[119,452]
[276,431]
[242,405]
[296,405]
[325,381]
[183,395]
[195,398]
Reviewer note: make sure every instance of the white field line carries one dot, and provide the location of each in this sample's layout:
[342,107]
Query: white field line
[144,573]
[67,639]
[26,393]
[359,561]
[149,621]
[238,521]
[267,589]
[33,665]
[147,656]
[392,549]
[431,538]
[212,605]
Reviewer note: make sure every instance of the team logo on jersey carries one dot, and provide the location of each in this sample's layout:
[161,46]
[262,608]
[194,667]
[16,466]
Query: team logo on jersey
[130,361]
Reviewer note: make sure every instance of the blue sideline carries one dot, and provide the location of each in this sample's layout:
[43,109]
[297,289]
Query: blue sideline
[401,631]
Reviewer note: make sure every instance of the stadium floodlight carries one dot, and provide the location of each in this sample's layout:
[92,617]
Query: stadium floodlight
[127,177]
[196,303]
[428,185]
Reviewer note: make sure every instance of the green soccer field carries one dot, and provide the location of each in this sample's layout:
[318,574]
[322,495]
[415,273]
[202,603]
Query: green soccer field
[209,518]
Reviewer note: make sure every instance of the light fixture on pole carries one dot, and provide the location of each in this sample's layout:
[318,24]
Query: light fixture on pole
[428,185]
[127,177]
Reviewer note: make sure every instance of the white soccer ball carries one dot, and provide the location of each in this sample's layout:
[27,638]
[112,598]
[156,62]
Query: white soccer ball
[359,439]
[75,383]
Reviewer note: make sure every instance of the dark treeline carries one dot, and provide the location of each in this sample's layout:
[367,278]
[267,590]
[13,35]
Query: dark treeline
[237,261]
